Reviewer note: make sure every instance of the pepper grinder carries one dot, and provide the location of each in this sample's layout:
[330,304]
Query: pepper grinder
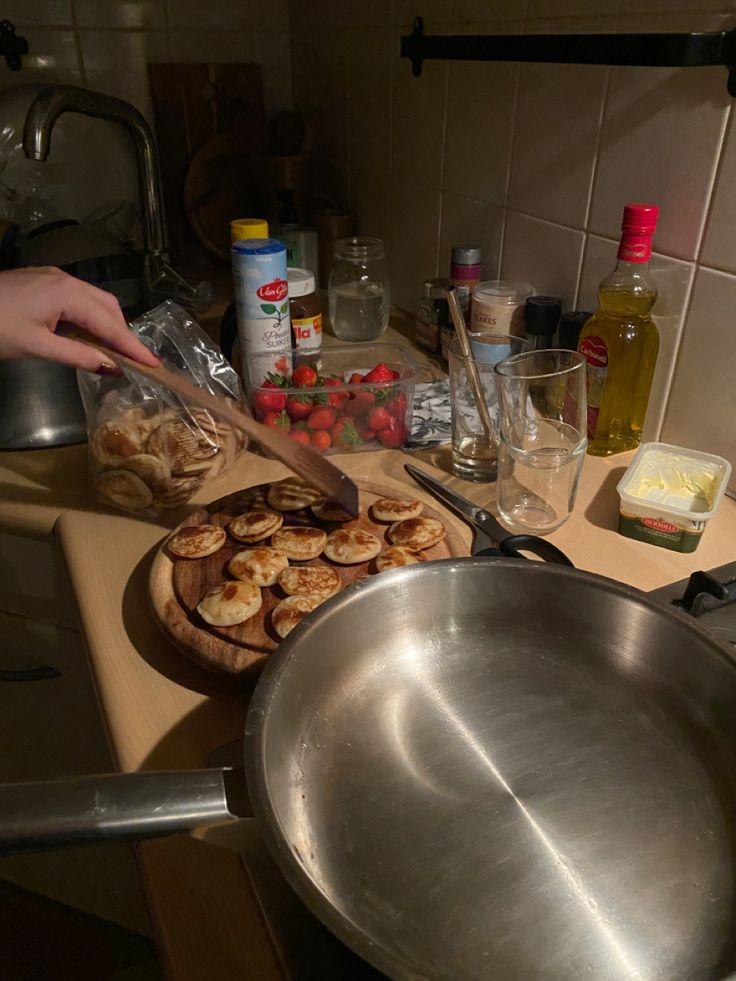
[541,317]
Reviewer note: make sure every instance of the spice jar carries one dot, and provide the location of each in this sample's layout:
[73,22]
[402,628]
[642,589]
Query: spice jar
[465,273]
[432,313]
[305,311]
[541,317]
[498,306]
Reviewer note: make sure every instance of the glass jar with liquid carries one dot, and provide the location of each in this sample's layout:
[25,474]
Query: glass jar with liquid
[359,290]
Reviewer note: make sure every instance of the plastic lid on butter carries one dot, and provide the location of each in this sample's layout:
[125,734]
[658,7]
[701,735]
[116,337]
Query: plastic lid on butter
[244,228]
[301,282]
[500,292]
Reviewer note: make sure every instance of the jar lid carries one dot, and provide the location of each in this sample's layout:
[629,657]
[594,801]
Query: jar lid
[437,286]
[301,282]
[359,248]
[571,324]
[501,291]
[542,314]
[466,255]
[242,228]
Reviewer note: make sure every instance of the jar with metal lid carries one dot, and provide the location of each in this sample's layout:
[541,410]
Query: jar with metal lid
[305,311]
[359,290]
[465,273]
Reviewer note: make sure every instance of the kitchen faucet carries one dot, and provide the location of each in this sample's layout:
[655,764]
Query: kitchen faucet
[53,100]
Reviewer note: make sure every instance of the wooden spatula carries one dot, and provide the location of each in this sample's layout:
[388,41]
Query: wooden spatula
[303,460]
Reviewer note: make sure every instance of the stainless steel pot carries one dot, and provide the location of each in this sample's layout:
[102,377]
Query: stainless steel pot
[478,768]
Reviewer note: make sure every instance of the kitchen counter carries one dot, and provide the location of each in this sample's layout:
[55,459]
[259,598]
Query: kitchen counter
[162,711]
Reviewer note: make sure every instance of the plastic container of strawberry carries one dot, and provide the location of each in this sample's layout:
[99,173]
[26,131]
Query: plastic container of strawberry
[325,403]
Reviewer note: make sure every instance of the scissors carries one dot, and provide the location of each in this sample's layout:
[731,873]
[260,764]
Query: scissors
[489,535]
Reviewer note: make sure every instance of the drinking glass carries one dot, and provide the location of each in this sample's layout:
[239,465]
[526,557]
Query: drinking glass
[542,441]
[474,456]
[359,290]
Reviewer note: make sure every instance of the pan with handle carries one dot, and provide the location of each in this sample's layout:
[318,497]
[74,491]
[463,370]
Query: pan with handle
[476,768]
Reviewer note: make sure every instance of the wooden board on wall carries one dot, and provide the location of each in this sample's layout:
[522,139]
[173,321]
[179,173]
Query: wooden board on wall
[193,104]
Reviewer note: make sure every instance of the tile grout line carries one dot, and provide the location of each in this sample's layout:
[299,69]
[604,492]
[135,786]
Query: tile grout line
[509,167]
[716,172]
[78,45]
[438,236]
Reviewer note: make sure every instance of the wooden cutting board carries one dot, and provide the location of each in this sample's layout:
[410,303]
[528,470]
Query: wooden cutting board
[177,585]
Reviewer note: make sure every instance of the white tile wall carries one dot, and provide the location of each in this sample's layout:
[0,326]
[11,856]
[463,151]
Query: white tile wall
[585,140]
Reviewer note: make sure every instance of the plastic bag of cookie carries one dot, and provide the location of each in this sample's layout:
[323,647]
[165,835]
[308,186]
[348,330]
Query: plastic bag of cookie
[150,452]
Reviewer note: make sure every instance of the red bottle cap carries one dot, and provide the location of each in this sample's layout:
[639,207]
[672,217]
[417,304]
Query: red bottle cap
[640,219]
[637,228]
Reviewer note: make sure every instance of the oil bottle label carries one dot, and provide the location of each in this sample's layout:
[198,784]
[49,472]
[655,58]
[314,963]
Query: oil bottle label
[595,352]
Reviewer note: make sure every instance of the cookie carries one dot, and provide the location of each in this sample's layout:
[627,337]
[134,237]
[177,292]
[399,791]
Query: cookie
[117,440]
[197,541]
[292,610]
[417,533]
[389,510]
[316,580]
[293,494]
[394,557]
[254,526]
[230,603]
[348,547]
[123,489]
[261,566]
[299,542]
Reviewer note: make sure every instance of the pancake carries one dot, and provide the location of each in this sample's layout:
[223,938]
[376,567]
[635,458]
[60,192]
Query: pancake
[261,565]
[123,489]
[291,611]
[315,580]
[417,533]
[230,603]
[299,542]
[197,541]
[394,557]
[293,494]
[152,470]
[389,510]
[254,526]
[348,547]
[330,511]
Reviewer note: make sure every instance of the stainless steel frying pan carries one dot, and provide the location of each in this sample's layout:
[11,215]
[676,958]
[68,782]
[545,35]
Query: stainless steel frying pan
[479,768]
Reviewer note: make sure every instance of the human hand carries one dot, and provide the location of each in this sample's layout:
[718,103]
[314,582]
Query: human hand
[34,302]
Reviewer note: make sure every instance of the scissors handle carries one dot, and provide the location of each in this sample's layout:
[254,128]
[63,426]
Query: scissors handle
[514,545]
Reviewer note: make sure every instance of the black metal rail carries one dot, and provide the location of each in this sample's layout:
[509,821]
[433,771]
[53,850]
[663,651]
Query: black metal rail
[646,50]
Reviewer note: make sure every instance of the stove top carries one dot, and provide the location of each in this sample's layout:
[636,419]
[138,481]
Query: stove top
[710,597]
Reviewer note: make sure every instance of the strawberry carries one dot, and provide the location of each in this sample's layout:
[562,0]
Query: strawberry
[282,365]
[344,434]
[364,430]
[396,375]
[270,400]
[321,440]
[298,407]
[379,418]
[305,376]
[355,379]
[321,418]
[359,403]
[381,373]
[336,399]
[277,420]
[397,406]
[392,436]
[299,436]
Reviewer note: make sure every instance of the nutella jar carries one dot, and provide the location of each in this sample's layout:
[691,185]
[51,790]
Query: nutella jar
[304,310]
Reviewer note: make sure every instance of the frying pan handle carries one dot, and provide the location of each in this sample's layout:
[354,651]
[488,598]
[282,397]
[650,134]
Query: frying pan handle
[513,547]
[117,807]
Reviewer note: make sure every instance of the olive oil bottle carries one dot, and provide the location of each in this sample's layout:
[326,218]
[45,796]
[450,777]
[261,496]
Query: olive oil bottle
[620,342]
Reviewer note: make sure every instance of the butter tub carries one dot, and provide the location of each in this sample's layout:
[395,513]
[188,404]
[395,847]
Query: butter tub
[669,494]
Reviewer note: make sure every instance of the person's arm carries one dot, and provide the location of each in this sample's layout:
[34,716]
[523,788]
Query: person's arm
[35,301]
